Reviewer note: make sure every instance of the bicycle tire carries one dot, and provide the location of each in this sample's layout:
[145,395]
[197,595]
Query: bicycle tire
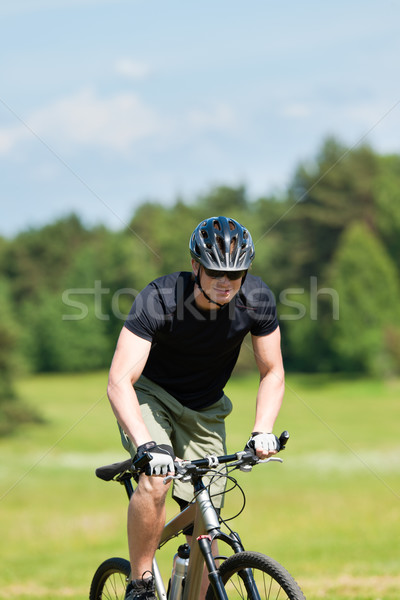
[110,580]
[271,579]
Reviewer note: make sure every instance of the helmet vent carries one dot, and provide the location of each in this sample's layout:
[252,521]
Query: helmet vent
[221,243]
[217,225]
[234,243]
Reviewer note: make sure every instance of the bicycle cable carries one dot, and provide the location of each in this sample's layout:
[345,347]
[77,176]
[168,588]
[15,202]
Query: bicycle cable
[227,491]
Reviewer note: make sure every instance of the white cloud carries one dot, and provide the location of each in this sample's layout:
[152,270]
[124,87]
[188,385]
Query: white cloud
[218,117]
[374,112]
[11,136]
[115,122]
[295,111]
[85,118]
[131,68]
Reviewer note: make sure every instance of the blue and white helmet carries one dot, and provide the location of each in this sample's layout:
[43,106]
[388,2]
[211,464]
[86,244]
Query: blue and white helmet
[222,244]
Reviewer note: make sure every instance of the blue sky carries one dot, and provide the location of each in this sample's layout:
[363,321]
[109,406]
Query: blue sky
[107,103]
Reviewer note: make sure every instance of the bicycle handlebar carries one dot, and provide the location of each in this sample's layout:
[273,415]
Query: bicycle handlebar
[187,468]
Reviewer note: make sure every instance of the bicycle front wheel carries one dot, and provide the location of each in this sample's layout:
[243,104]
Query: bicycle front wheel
[254,576]
[110,580]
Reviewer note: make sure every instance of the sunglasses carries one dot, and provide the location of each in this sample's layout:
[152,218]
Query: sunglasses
[231,275]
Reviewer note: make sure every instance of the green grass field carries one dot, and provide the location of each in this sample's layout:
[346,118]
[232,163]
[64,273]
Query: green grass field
[329,513]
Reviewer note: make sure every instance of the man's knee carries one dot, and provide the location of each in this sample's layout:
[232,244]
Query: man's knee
[154,487]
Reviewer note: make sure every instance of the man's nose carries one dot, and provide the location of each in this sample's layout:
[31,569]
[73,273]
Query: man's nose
[224,279]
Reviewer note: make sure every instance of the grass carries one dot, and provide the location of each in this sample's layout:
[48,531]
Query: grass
[329,513]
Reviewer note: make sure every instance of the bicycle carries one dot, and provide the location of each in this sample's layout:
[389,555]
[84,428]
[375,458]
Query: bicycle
[243,574]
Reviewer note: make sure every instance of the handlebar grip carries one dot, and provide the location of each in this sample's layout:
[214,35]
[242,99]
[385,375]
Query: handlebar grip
[283,439]
[141,462]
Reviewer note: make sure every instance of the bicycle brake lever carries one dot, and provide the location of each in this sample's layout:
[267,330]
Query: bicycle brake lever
[248,467]
[181,472]
[245,465]
[169,478]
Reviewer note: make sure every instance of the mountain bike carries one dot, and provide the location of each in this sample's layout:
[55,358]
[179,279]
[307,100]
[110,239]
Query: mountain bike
[241,574]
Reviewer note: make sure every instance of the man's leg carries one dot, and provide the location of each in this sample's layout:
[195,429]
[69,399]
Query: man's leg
[146,512]
[146,519]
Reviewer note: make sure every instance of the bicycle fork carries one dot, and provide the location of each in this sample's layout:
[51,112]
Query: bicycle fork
[204,542]
[214,576]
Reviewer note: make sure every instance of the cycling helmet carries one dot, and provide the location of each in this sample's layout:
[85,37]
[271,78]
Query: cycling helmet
[221,243]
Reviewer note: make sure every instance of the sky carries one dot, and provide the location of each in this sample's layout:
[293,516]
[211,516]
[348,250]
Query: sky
[106,104]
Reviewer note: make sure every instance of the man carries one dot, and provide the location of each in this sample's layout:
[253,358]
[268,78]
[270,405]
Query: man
[174,356]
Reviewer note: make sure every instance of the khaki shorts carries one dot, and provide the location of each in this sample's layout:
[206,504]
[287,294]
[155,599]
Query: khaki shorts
[191,433]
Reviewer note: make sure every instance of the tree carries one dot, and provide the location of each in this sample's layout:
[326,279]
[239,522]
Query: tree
[113,268]
[13,411]
[306,322]
[386,193]
[224,200]
[329,195]
[65,333]
[36,259]
[368,286]
[270,231]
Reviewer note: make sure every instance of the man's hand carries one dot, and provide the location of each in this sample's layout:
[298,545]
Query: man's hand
[263,444]
[162,461]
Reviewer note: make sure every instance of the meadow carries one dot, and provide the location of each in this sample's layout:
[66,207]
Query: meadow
[329,513]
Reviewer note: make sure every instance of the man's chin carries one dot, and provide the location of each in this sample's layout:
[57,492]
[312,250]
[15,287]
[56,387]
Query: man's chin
[223,298]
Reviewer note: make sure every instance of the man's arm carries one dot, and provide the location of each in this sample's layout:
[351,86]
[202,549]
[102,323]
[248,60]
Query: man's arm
[267,352]
[128,363]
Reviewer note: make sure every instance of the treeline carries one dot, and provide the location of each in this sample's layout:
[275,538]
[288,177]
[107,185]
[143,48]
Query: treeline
[329,248]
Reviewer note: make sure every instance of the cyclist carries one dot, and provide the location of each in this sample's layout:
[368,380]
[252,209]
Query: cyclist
[174,355]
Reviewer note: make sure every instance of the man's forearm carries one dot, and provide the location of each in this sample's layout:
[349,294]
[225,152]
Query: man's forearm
[126,408]
[269,400]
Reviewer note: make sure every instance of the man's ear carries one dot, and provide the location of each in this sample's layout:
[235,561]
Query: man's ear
[195,266]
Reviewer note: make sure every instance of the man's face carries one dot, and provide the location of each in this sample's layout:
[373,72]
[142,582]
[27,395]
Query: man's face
[222,290]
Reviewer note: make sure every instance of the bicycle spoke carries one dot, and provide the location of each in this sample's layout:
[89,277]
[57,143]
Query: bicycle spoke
[254,576]
[110,580]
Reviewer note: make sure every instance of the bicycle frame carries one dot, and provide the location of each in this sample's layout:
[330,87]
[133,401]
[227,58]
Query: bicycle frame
[203,516]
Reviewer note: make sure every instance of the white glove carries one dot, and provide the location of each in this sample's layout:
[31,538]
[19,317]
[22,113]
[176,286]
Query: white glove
[162,461]
[262,441]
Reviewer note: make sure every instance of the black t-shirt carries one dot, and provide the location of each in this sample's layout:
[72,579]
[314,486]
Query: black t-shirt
[193,351]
